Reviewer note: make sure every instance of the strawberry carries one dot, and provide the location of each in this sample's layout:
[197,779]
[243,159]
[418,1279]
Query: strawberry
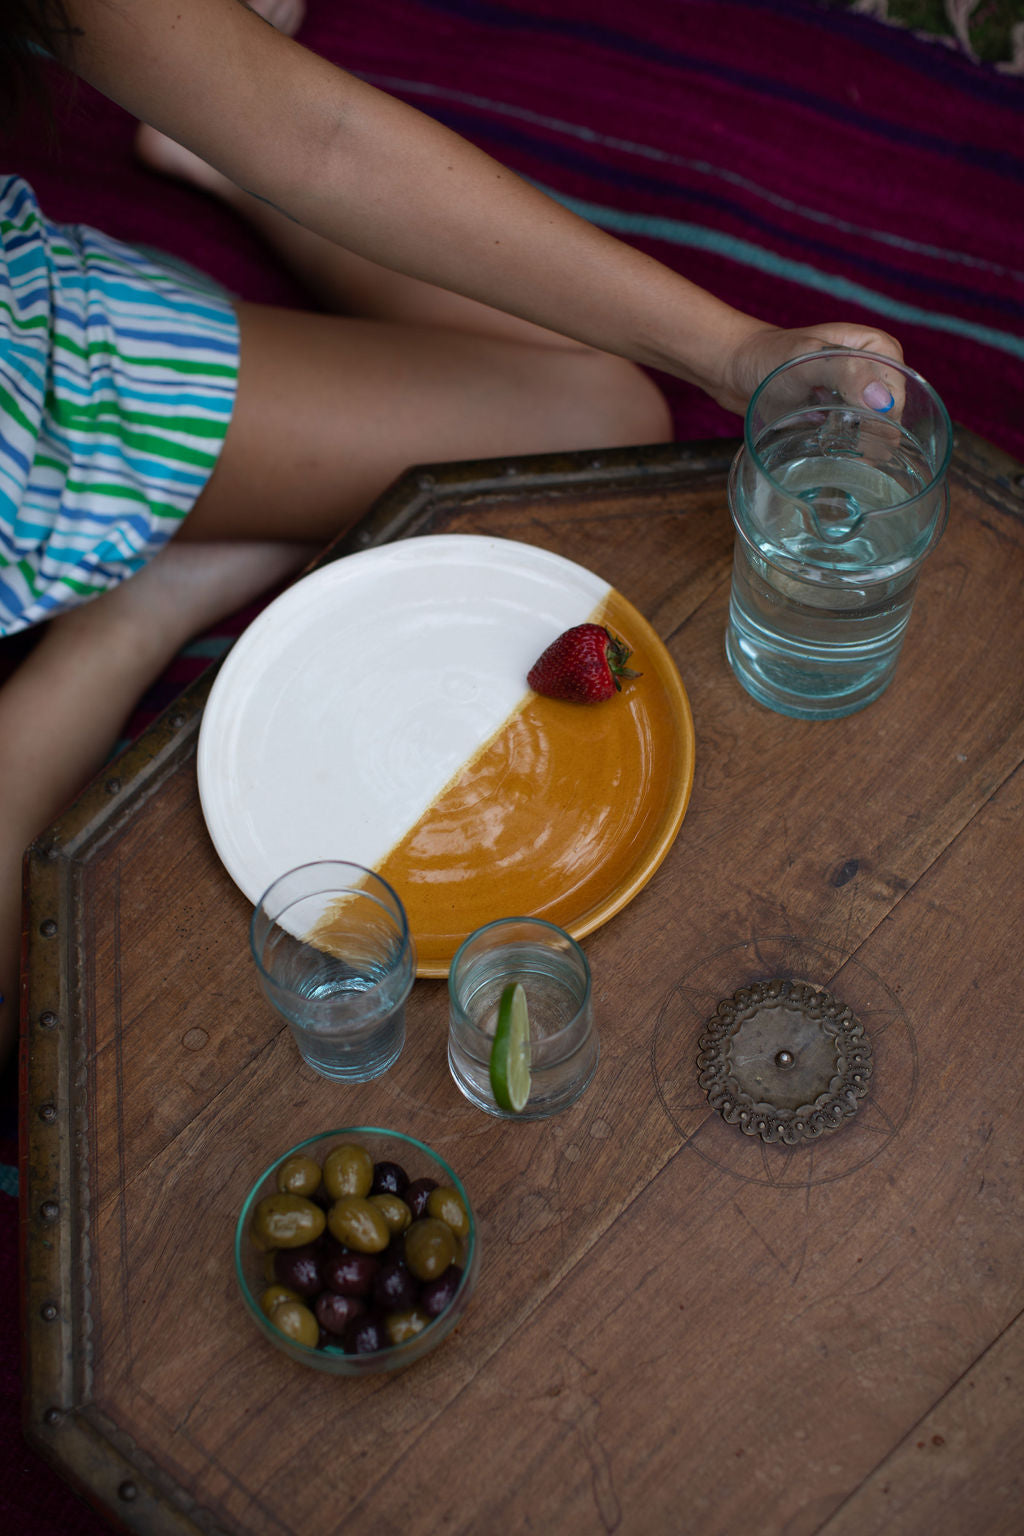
[583,665]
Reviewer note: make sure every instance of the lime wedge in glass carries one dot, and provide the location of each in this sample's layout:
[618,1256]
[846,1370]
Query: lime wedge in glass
[510,1053]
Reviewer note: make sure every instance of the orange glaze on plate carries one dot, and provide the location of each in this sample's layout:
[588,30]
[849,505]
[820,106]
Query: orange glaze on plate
[565,814]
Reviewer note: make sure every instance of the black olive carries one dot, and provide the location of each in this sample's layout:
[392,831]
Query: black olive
[389,1179]
[299,1268]
[416,1196]
[437,1295]
[350,1274]
[394,1289]
[365,1334]
[335,1312]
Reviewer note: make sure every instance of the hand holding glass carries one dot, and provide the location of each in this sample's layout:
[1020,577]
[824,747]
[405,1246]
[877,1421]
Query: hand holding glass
[835,507]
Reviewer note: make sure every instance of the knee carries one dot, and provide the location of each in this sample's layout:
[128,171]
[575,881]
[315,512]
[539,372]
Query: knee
[614,404]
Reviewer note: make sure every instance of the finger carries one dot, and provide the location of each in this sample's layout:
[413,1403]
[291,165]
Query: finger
[830,378]
[878,387]
[857,338]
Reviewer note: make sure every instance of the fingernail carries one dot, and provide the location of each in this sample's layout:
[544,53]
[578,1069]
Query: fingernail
[878,396]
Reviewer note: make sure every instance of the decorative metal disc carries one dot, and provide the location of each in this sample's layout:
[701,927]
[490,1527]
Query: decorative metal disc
[784,1060]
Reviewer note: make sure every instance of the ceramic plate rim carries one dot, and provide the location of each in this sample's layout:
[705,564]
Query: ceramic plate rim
[348,568]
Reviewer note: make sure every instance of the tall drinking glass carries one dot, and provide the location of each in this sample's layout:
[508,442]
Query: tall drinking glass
[836,504]
[335,958]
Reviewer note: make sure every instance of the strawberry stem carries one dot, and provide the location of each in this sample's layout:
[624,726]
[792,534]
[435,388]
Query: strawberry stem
[618,653]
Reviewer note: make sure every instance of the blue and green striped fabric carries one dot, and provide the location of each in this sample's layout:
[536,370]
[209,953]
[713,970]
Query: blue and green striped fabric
[117,382]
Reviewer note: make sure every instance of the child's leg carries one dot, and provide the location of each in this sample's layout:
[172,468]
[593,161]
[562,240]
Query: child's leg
[331,410]
[62,709]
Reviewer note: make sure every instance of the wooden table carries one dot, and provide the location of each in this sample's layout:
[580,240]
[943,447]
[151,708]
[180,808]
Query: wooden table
[676,1328]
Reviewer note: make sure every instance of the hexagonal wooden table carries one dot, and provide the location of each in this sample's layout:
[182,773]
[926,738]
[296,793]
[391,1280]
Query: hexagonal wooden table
[676,1326]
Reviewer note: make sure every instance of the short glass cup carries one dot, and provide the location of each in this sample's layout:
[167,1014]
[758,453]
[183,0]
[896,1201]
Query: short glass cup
[555,976]
[335,958]
[384,1146]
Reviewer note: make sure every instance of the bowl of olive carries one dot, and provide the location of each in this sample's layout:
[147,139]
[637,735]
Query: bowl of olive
[357,1251]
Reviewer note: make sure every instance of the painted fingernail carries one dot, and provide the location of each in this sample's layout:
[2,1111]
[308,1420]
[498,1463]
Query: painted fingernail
[878,396]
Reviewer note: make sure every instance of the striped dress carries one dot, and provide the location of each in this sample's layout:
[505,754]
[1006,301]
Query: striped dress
[117,382]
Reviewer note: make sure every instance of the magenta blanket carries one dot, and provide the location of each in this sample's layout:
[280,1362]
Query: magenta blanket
[803,162]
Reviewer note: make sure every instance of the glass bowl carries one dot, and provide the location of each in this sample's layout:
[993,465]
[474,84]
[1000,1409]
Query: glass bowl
[419,1162]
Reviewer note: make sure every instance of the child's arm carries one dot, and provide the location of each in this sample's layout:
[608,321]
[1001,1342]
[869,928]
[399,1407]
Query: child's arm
[391,184]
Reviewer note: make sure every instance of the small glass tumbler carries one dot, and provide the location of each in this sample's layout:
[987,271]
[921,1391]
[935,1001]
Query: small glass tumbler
[555,976]
[335,958]
[836,503]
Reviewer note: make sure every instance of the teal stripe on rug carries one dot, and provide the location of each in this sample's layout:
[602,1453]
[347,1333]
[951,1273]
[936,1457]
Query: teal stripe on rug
[702,167]
[696,236]
[8,1180]
[209,646]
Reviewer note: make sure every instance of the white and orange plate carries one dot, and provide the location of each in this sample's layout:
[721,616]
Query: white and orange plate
[378,712]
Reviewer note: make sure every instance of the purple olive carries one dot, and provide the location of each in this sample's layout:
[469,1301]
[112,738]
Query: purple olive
[299,1268]
[389,1179]
[350,1274]
[335,1312]
[365,1334]
[416,1196]
[394,1289]
[437,1295]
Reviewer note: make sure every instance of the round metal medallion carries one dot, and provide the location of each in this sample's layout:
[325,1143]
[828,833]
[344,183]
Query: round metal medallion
[784,1060]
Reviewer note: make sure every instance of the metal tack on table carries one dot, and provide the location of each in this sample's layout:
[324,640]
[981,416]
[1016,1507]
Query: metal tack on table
[784,1060]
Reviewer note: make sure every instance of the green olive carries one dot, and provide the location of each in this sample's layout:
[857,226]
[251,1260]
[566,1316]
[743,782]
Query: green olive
[358,1224]
[299,1175]
[429,1247]
[348,1170]
[446,1204]
[274,1295]
[395,1212]
[296,1322]
[286,1221]
[400,1326]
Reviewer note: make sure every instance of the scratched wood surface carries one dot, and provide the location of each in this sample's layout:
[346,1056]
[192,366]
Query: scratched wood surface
[675,1328]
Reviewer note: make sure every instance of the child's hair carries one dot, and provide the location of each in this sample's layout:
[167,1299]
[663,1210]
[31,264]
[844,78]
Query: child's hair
[29,29]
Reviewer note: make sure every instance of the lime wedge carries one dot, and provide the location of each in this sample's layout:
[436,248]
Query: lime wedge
[510,1053]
